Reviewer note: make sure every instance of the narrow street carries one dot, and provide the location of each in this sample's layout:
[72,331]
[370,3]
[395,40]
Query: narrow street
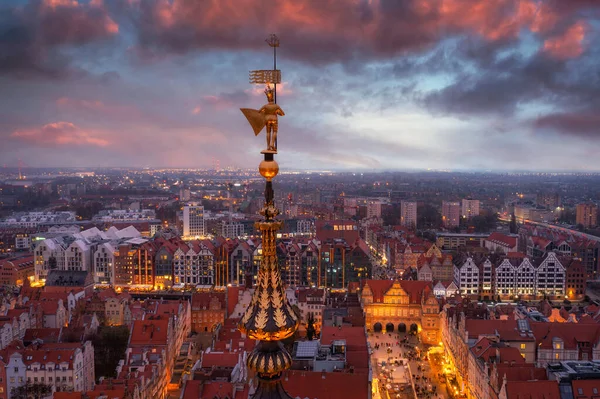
[402,369]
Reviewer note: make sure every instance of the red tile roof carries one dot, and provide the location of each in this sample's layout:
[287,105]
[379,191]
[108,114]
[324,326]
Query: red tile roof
[232,298]
[354,336]
[507,329]
[587,388]
[570,335]
[358,360]
[196,389]
[149,332]
[510,355]
[110,394]
[520,372]
[45,334]
[308,384]
[219,359]
[503,239]
[532,390]
[41,356]
[414,289]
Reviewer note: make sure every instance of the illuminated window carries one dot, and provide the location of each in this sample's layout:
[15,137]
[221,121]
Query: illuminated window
[522,346]
[556,356]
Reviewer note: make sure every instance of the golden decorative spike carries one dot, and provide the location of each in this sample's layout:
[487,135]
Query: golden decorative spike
[269,318]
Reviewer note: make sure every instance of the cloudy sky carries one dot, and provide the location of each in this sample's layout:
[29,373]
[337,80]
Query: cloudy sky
[368,84]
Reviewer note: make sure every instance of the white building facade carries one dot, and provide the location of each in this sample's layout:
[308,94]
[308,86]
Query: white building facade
[470,208]
[193,221]
[408,214]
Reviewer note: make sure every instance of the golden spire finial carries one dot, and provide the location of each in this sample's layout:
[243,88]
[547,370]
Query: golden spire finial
[269,318]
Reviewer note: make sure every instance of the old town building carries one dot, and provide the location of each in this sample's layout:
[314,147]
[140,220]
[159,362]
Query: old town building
[402,305]
[208,310]
[14,271]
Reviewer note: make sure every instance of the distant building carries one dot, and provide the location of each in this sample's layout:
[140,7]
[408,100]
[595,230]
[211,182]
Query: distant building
[408,214]
[332,229]
[450,214]
[184,194]
[350,206]
[232,229]
[470,208]
[125,215]
[373,209]
[22,242]
[343,261]
[193,221]
[534,214]
[305,226]
[587,215]
[453,241]
[34,219]
[548,200]
[498,242]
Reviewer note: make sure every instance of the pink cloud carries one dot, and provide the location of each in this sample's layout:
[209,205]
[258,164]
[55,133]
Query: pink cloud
[71,21]
[333,29]
[97,107]
[60,134]
[569,44]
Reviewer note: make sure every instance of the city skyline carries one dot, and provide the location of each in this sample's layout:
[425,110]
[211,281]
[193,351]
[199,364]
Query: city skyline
[489,85]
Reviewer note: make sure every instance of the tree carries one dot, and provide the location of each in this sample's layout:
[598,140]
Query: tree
[568,216]
[31,391]
[310,328]
[484,222]
[513,224]
[110,344]
[428,217]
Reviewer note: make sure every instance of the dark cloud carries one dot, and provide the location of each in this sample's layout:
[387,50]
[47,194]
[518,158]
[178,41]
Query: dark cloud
[585,124]
[33,37]
[330,31]
[166,78]
[502,80]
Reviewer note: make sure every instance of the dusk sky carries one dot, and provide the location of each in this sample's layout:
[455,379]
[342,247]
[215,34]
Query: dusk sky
[368,84]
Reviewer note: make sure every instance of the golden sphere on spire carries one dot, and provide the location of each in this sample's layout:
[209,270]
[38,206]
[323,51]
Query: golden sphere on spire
[268,169]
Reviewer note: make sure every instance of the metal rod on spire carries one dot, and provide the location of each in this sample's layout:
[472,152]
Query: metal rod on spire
[273,41]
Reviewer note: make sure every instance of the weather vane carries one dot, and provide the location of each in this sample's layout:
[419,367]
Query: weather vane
[267,115]
[269,318]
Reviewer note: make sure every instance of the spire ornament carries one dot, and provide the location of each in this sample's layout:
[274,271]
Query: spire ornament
[269,318]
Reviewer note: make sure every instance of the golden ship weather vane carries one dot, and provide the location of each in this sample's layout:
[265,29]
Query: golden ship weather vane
[269,318]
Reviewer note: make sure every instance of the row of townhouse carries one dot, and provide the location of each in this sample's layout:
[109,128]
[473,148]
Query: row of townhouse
[78,251]
[518,275]
[535,343]
[499,371]
[435,266]
[537,240]
[154,343]
[110,307]
[48,312]
[65,367]
[124,258]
